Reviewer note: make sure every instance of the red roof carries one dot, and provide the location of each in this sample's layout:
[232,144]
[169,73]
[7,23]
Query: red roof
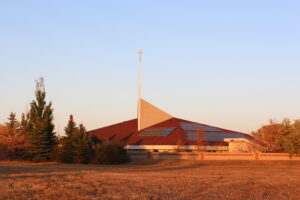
[177,132]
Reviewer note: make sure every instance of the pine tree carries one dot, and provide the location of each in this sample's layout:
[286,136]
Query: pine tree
[67,148]
[83,144]
[40,126]
[24,122]
[71,128]
[12,121]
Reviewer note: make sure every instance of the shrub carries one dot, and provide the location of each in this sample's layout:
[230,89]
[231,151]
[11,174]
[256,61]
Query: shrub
[65,153]
[111,153]
[13,144]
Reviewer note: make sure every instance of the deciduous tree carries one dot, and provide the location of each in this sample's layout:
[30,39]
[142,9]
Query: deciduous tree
[13,143]
[269,134]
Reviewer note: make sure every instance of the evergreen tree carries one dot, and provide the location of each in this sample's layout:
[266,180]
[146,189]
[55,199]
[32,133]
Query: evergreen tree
[67,148]
[40,126]
[12,121]
[83,146]
[24,123]
[71,128]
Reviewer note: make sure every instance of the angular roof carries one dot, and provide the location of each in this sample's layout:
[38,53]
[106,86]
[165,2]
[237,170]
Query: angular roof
[150,115]
[173,131]
[156,127]
[117,132]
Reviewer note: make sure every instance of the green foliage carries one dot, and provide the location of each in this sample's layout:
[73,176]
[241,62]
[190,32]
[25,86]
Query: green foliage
[291,143]
[83,146]
[66,153]
[290,137]
[111,153]
[34,138]
[77,145]
[40,127]
[71,128]
[281,137]
[24,123]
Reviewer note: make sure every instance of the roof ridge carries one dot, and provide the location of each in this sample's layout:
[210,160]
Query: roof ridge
[113,125]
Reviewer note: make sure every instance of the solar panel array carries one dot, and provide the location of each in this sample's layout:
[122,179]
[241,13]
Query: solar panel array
[210,133]
[191,135]
[157,131]
[197,127]
[220,136]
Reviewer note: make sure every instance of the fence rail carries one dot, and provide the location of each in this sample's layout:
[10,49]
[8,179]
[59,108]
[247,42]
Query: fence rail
[212,156]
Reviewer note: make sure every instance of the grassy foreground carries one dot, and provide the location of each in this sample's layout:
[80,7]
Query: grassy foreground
[167,179]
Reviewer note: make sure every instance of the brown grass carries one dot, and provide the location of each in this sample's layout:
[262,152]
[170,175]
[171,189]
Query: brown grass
[168,179]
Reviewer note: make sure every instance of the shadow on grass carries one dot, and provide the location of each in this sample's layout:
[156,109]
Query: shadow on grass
[135,166]
[33,176]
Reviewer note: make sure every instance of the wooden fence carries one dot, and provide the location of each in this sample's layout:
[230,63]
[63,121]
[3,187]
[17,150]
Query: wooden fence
[212,156]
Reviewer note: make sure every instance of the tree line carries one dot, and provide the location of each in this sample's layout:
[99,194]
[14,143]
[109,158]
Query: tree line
[33,138]
[281,136]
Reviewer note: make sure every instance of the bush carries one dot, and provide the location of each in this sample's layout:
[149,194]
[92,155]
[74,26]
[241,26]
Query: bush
[65,154]
[3,153]
[13,143]
[111,153]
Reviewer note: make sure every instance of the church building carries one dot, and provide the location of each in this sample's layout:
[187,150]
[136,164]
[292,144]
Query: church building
[157,131]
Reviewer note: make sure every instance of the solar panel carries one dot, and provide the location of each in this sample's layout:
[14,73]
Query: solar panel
[220,136]
[191,135]
[197,127]
[157,131]
[210,128]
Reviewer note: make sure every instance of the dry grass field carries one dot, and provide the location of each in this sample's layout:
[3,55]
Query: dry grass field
[167,179]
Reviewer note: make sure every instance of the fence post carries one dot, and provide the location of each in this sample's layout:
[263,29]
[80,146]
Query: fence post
[256,156]
[201,156]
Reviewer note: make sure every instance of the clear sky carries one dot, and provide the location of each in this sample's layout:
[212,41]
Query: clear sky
[232,64]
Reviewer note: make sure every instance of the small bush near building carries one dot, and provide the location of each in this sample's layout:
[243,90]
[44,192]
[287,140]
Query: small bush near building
[111,153]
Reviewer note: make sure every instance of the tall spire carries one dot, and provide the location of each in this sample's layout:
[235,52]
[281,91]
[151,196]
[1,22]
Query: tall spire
[147,114]
[140,53]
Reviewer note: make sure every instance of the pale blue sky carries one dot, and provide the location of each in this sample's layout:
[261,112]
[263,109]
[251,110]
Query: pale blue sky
[232,64]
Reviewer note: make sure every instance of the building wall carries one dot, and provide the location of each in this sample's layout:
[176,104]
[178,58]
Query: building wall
[234,146]
[212,156]
[176,148]
[241,145]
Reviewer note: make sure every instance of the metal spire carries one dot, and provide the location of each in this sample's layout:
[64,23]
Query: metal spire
[140,53]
